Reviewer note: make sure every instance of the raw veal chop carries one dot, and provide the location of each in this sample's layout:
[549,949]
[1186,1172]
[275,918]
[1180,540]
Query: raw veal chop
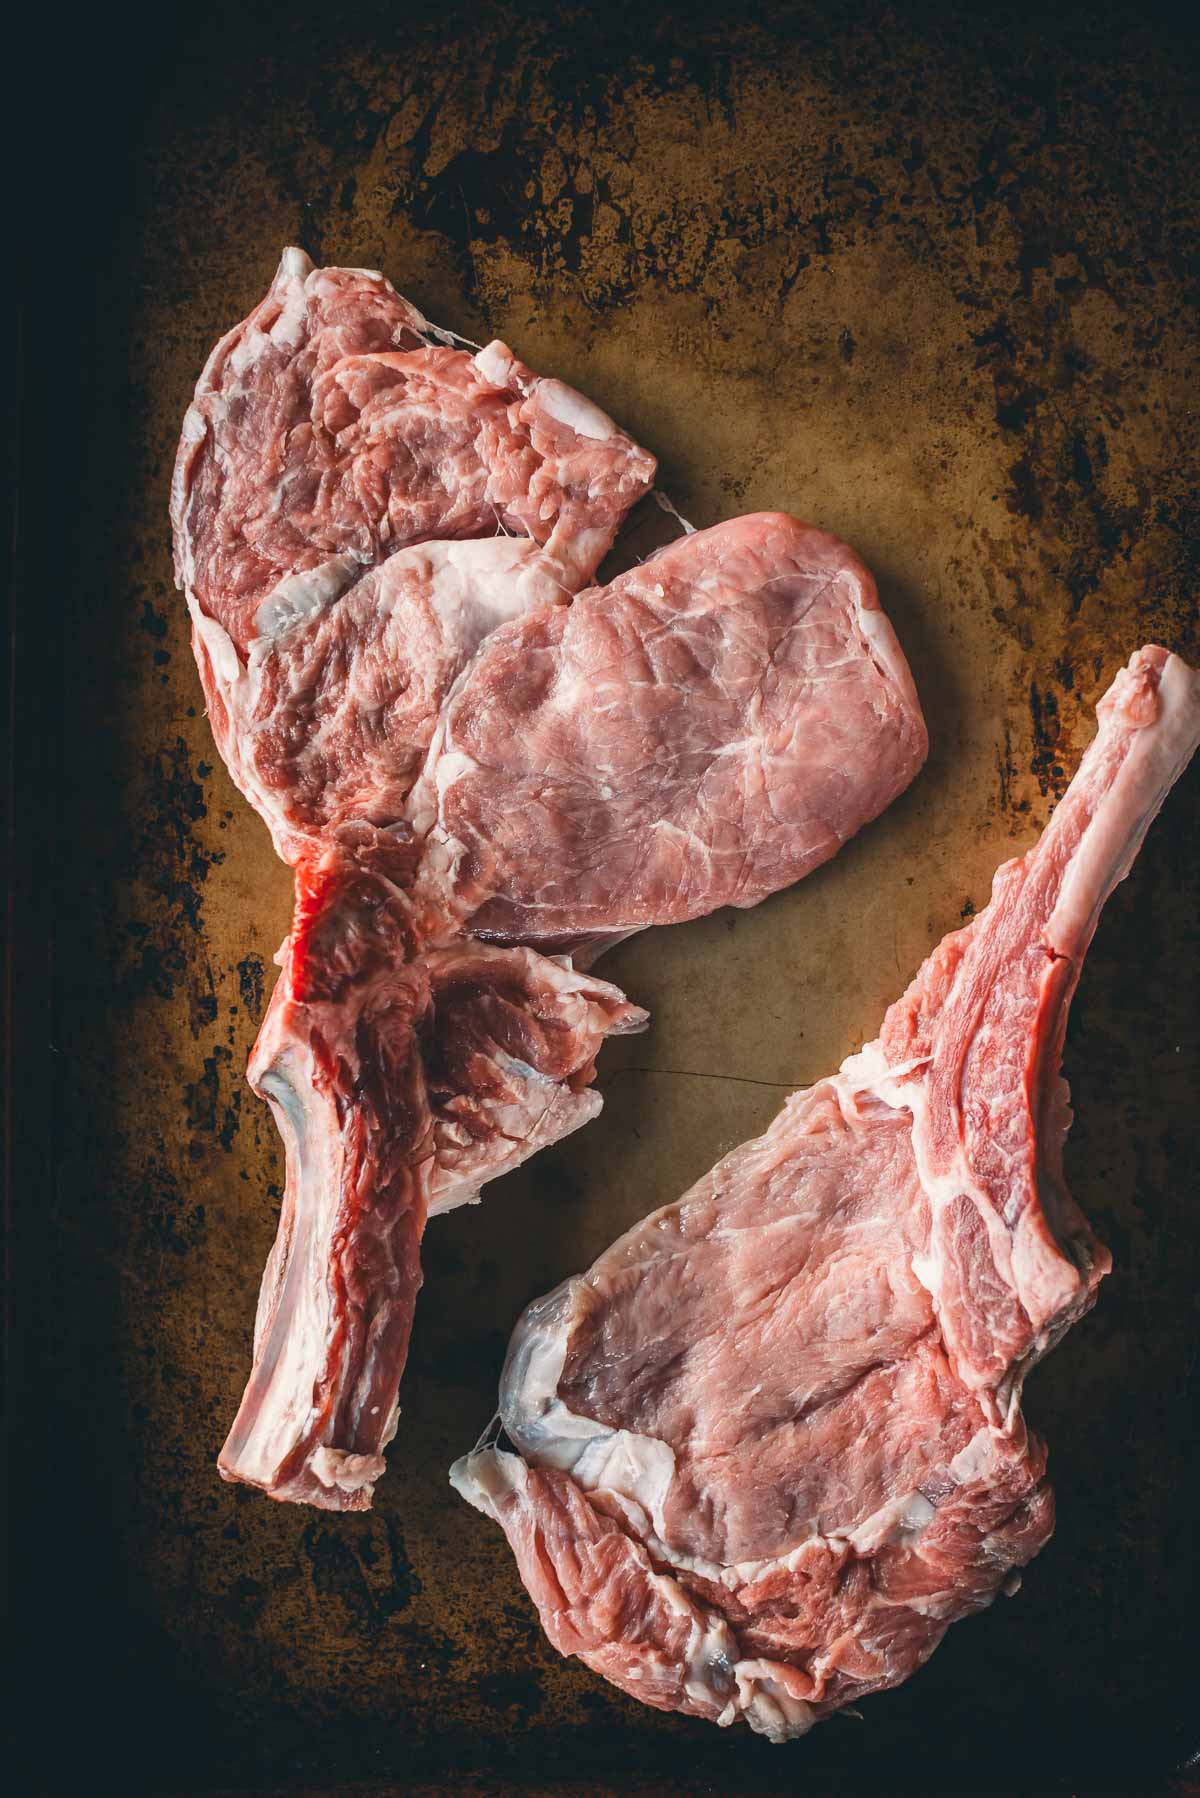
[355,506]
[770,1446]
[400,1080]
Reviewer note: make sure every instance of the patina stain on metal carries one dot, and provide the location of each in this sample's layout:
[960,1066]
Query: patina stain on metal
[923,283]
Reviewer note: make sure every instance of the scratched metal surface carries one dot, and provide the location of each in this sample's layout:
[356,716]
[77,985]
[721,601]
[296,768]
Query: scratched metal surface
[921,281]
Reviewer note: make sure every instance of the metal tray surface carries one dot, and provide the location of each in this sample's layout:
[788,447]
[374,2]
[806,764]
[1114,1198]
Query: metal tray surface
[918,275]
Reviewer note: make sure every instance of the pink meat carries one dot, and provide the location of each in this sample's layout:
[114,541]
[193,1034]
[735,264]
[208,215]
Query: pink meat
[329,429]
[400,1081]
[314,453]
[509,1045]
[326,725]
[702,732]
[379,536]
[770,1446]
[355,507]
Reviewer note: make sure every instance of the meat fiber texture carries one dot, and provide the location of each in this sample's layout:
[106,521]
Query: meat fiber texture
[771,1445]
[355,506]
[705,730]
[479,779]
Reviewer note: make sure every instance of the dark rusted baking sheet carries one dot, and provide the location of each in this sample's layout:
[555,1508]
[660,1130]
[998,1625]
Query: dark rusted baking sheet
[925,276]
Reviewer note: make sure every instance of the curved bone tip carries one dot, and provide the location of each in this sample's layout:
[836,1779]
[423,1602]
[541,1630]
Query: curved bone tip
[295,264]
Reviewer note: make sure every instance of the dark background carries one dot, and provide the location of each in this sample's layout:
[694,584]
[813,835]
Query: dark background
[167,1634]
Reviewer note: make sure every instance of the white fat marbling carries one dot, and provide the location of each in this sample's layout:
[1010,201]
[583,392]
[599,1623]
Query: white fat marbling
[900,1523]
[218,644]
[487,1476]
[571,408]
[299,597]
[338,1469]
[639,1468]
[495,363]
[767,1705]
